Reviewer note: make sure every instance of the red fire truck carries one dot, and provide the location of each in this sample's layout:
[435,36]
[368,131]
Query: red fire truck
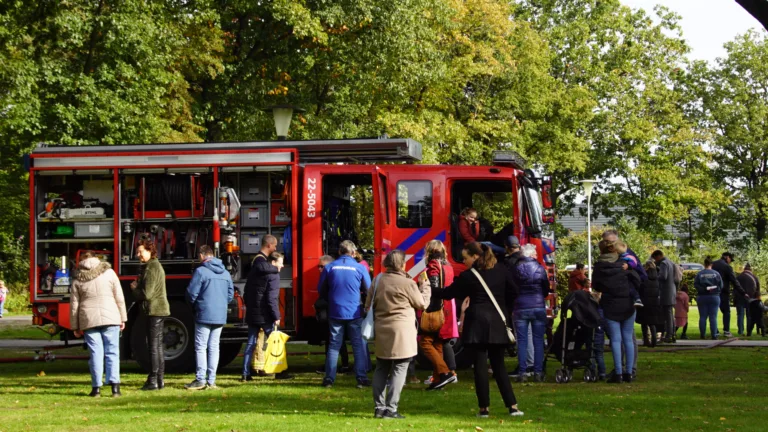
[311,195]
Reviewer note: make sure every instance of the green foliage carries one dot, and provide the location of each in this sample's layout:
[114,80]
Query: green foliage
[638,132]
[573,248]
[733,107]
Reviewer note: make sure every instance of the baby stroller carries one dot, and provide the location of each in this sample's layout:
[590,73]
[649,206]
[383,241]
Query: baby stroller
[574,337]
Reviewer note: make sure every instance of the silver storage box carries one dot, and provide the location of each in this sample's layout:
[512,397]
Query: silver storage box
[94,229]
[254,216]
[250,242]
[254,189]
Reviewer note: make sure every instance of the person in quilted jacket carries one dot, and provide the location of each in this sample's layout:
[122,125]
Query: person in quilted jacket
[97,312]
[532,284]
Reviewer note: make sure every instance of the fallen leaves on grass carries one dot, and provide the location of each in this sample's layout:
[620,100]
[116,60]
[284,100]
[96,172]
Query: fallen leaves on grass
[41,374]
[478,429]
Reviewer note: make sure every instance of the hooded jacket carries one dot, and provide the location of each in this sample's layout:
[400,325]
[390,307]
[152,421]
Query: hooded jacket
[532,284]
[210,291]
[97,297]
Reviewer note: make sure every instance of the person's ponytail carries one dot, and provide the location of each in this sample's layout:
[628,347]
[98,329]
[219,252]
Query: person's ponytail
[487,259]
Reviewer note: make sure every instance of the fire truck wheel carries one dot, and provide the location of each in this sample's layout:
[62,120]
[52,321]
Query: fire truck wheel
[228,353]
[178,337]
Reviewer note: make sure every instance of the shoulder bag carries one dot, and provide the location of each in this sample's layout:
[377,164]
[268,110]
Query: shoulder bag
[367,326]
[432,322]
[510,334]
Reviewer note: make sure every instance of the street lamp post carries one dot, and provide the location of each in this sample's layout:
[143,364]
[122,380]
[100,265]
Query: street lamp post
[283,114]
[587,185]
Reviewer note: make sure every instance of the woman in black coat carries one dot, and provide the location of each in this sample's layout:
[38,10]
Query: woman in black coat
[484,329]
[613,281]
[651,314]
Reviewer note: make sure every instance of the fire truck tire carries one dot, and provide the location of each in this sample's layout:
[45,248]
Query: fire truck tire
[178,337]
[228,353]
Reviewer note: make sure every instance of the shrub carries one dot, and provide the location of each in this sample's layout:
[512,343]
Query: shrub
[18,298]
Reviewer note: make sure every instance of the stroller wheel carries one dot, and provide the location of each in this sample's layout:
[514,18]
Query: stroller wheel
[568,375]
[587,375]
[559,376]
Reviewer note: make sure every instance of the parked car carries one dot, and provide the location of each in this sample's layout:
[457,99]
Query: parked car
[692,266]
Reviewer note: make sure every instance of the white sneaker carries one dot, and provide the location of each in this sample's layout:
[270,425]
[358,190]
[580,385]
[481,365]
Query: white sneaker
[514,412]
[428,381]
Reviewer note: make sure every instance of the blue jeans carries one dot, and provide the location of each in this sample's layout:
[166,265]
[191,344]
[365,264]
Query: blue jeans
[1,307]
[708,306]
[621,335]
[741,309]
[104,345]
[359,348]
[207,351]
[599,344]
[495,248]
[537,318]
[253,336]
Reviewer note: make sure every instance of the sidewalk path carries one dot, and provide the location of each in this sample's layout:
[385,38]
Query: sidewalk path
[16,320]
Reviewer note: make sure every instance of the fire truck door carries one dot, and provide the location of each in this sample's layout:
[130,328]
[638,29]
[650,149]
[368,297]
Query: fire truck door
[382,237]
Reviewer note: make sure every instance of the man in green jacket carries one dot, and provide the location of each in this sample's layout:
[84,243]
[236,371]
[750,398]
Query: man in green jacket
[149,288]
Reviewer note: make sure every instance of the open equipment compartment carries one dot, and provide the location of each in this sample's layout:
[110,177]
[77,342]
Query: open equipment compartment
[72,213]
[263,194]
[172,209]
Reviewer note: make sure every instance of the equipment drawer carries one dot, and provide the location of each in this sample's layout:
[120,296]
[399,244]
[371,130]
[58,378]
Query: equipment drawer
[94,229]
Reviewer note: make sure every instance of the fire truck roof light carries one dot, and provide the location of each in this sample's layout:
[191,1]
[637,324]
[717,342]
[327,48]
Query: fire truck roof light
[509,157]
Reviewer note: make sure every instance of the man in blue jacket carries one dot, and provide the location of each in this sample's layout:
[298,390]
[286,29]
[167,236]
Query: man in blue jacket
[344,283]
[209,292]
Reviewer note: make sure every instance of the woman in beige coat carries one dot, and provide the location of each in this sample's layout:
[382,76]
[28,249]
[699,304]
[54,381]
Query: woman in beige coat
[97,310]
[394,297]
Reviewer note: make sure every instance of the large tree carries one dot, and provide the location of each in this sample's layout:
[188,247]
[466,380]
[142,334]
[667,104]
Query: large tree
[734,105]
[642,144]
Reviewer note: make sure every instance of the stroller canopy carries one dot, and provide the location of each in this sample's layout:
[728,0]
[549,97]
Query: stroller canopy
[583,308]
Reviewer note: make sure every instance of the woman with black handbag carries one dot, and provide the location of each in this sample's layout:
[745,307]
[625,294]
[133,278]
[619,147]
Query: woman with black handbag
[485,331]
[438,321]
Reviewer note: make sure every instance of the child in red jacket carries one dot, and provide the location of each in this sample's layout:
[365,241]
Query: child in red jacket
[682,303]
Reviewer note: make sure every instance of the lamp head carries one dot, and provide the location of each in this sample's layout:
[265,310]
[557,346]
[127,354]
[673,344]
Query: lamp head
[282,115]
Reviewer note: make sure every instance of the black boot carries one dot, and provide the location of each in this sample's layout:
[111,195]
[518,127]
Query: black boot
[614,379]
[95,392]
[160,382]
[151,383]
[116,390]
[627,377]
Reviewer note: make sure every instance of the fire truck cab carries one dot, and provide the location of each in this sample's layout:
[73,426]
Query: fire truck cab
[311,195]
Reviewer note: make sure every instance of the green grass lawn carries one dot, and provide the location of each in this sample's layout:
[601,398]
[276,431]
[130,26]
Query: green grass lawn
[720,389]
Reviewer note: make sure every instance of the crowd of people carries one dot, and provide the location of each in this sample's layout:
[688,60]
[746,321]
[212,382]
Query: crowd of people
[502,301]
